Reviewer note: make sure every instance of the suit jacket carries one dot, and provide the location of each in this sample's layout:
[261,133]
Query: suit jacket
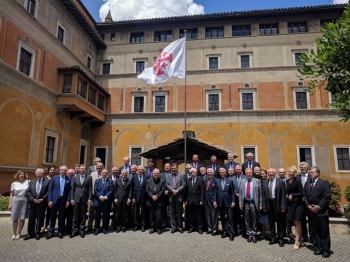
[216,171]
[139,190]
[153,188]
[195,192]
[210,193]
[180,186]
[236,181]
[128,167]
[100,190]
[54,189]
[257,193]
[111,178]
[280,195]
[320,195]
[148,173]
[225,197]
[298,177]
[245,165]
[227,165]
[91,169]
[123,193]
[81,192]
[31,191]
[94,176]
[164,177]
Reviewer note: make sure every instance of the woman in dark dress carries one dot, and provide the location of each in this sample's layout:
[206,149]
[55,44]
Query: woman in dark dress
[295,204]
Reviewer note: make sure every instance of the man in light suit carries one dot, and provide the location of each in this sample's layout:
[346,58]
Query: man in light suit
[103,195]
[37,198]
[225,201]
[126,165]
[231,163]
[237,212]
[317,194]
[176,187]
[214,166]
[139,199]
[250,201]
[122,198]
[211,213]
[58,198]
[194,200]
[94,167]
[250,163]
[274,203]
[81,197]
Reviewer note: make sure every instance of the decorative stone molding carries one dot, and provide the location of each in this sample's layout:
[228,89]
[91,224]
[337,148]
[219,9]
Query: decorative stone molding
[254,28]
[228,30]
[201,32]
[176,33]
[124,37]
[148,36]
[314,25]
[282,27]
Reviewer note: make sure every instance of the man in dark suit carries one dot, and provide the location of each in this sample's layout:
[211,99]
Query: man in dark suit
[149,169]
[237,212]
[211,213]
[113,176]
[139,199]
[274,203]
[194,200]
[214,166]
[231,163]
[37,198]
[165,176]
[58,198]
[317,194]
[250,202]
[81,197]
[126,165]
[122,198]
[225,201]
[176,187]
[195,164]
[155,188]
[103,194]
[94,167]
[250,163]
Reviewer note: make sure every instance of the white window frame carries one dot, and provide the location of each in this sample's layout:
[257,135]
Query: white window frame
[296,51]
[106,159]
[64,34]
[85,143]
[250,59]
[301,89]
[214,56]
[140,60]
[212,92]
[53,134]
[138,94]
[130,149]
[248,90]
[160,93]
[29,49]
[335,147]
[36,7]
[256,157]
[312,153]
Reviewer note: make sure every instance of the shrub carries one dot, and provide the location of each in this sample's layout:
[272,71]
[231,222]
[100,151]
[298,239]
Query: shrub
[347,197]
[4,203]
[334,204]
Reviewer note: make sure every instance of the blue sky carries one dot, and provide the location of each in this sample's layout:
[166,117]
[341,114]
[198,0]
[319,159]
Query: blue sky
[218,6]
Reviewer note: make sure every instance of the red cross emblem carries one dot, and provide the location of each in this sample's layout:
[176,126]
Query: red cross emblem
[162,62]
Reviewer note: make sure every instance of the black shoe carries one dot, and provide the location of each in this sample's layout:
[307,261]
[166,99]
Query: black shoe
[49,235]
[37,236]
[318,252]
[28,237]
[209,232]
[181,230]
[73,235]
[326,254]
[254,239]
[104,231]
[172,231]
[152,231]
[117,230]
[313,241]
[191,230]
[124,229]
[89,229]
[249,239]
[135,229]
[200,231]
[223,235]
[305,239]
[82,234]
[231,237]
[96,232]
[214,233]
[291,237]
[143,229]
[272,241]
[159,231]
[60,235]
[281,243]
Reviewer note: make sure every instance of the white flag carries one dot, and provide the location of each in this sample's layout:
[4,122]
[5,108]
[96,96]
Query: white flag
[170,62]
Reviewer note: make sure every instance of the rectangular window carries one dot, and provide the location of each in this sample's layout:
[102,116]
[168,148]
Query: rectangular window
[190,34]
[245,61]
[101,152]
[67,83]
[61,33]
[268,29]
[163,36]
[106,68]
[88,62]
[135,158]
[213,62]
[301,100]
[92,96]
[138,104]
[81,88]
[51,139]
[243,30]
[25,62]
[159,104]
[247,101]
[297,27]
[31,6]
[213,102]
[214,32]
[343,160]
[112,36]
[101,102]
[137,37]
[139,66]
[297,59]
[305,154]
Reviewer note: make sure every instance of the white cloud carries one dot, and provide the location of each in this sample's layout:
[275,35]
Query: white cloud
[140,9]
[340,1]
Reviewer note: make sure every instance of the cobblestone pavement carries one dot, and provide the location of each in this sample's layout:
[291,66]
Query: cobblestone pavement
[138,246]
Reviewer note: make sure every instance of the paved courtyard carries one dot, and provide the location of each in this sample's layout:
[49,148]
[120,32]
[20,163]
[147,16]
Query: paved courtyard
[138,246]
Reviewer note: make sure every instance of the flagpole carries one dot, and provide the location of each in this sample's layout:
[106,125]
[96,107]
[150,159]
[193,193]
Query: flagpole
[185,107]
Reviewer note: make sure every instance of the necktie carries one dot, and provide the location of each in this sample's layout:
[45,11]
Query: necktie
[38,187]
[104,183]
[214,167]
[82,177]
[208,184]
[222,184]
[270,188]
[61,185]
[303,179]
[248,189]
[195,165]
[113,178]
[99,174]
[174,181]
[230,164]
[312,185]
[123,182]
[193,180]
[250,165]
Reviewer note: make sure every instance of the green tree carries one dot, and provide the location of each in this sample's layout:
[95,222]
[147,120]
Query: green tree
[329,66]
